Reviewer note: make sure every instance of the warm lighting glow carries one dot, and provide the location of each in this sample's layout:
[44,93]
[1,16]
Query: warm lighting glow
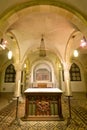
[2,46]
[9,55]
[76,53]
[59,65]
[83,42]
[3,43]
[24,65]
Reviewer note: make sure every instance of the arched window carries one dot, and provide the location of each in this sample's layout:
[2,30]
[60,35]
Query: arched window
[75,73]
[10,74]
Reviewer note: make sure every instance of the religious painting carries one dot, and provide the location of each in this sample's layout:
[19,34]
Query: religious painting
[42,75]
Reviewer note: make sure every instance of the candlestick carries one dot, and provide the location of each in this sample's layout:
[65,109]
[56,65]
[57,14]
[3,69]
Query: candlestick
[68,88]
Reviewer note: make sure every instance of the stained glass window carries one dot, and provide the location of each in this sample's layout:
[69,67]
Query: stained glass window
[10,74]
[75,73]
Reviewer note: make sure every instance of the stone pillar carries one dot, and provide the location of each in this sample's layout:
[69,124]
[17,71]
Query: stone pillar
[68,91]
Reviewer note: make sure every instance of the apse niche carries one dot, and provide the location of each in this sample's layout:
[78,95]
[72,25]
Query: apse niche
[42,75]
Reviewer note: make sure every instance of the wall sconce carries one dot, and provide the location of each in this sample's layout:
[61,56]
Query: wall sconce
[75,53]
[10,55]
[25,66]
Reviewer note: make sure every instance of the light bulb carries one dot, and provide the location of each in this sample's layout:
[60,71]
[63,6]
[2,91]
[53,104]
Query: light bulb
[9,55]
[76,53]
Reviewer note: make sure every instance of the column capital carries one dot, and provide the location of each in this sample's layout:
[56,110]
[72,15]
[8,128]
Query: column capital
[18,66]
[66,70]
[66,65]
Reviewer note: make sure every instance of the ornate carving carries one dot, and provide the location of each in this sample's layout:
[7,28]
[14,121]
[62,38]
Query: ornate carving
[43,107]
[43,104]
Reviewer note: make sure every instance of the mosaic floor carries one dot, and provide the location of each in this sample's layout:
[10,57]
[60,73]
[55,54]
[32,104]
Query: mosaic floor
[78,120]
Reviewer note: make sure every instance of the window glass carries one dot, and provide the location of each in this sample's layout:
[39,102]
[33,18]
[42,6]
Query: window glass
[10,74]
[75,73]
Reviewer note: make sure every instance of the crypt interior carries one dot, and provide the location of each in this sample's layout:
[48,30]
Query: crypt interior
[43,63]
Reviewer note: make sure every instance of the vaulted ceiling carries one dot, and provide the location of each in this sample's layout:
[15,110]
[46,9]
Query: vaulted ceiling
[62,24]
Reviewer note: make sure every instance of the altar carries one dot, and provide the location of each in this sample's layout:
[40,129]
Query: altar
[43,104]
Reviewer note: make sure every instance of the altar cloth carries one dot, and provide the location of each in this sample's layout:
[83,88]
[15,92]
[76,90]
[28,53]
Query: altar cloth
[43,90]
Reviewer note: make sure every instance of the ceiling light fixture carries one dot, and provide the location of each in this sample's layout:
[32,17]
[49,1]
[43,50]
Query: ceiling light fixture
[83,42]
[42,52]
[3,43]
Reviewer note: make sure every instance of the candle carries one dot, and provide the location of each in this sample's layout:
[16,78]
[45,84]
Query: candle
[68,88]
[18,89]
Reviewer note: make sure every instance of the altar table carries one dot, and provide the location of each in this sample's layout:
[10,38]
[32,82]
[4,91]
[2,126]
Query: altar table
[43,104]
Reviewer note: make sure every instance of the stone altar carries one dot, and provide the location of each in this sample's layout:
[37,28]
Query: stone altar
[43,104]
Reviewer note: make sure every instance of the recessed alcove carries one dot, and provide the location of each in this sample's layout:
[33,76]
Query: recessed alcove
[42,75]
